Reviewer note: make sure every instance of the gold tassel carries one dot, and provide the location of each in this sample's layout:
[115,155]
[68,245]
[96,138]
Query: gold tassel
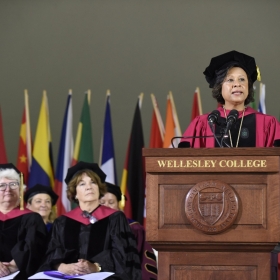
[122,203]
[259,74]
[21,192]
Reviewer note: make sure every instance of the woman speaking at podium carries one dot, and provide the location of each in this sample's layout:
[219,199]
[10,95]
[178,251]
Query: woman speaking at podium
[231,76]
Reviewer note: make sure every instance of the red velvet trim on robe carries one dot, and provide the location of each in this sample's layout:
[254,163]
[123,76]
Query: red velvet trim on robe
[16,212]
[100,213]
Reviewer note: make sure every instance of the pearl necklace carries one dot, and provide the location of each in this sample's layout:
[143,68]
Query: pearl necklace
[239,127]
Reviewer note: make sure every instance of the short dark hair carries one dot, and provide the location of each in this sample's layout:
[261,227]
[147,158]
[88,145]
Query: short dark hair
[217,88]
[72,185]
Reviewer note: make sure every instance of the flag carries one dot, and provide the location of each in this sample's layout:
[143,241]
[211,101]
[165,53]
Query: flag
[157,127]
[41,171]
[133,178]
[196,106]
[3,155]
[24,158]
[83,150]
[262,107]
[156,139]
[65,155]
[107,154]
[172,127]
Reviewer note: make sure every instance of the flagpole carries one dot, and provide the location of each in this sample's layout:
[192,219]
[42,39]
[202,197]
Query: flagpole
[263,98]
[260,93]
[89,95]
[141,96]
[199,100]
[21,192]
[158,116]
[175,116]
[28,131]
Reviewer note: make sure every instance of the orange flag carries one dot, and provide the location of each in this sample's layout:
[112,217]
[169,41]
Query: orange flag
[157,127]
[172,126]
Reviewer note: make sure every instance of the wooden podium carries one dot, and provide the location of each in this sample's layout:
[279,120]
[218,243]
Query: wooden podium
[213,213]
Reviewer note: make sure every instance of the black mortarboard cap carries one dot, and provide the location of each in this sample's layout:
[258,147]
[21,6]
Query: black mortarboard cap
[38,188]
[228,59]
[116,190]
[9,166]
[81,165]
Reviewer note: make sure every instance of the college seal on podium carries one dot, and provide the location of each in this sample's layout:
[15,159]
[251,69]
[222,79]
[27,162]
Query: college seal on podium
[211,206]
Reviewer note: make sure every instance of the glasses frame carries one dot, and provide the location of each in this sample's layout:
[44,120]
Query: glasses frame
[12,186]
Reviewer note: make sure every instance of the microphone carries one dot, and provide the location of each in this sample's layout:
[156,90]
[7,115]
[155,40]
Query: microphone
[231,119]
[213,117]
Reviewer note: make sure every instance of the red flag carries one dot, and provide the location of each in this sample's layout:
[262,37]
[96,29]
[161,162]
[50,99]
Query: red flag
[133,180]
[24,149]
[156,139]
[196,106]
[3,155]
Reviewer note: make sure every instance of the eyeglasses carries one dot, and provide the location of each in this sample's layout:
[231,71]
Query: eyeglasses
[12,186]
[91,218]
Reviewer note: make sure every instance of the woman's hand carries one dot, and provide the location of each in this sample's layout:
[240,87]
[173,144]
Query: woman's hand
[81,267]
[67,268]
[86,267]
[4,270]
[11,266]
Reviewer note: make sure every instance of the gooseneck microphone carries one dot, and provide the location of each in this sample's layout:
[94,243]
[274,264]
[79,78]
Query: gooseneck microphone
[213,118]
[231,119]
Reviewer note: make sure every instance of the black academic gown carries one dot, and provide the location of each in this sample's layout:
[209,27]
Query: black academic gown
[23,239]
[109,242]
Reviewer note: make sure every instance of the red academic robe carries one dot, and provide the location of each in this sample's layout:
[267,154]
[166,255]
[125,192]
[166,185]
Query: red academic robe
[267,129]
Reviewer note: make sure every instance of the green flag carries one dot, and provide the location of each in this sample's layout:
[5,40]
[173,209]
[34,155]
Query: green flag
[83,150]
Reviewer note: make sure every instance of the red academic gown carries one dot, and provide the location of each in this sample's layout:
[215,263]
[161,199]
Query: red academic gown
[23,238]
[267,129]
[109,242]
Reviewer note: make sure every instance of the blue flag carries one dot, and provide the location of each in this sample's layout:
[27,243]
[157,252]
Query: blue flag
[107,153]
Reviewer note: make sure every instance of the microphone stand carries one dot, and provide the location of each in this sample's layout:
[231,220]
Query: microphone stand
[214,134]
[222,142]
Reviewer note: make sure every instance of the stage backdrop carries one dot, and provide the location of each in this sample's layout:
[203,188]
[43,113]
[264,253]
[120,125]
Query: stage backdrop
[128,47]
